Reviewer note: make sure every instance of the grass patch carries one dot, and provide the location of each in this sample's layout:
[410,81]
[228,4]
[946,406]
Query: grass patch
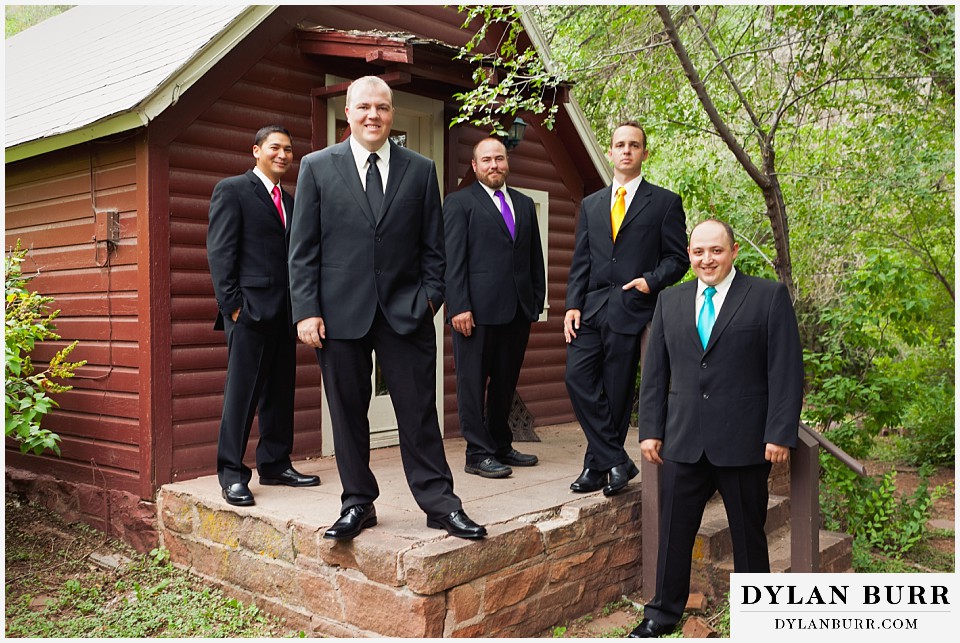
[52,589]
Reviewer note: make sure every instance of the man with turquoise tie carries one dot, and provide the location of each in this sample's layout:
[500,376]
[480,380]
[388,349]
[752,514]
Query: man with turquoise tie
[719,403]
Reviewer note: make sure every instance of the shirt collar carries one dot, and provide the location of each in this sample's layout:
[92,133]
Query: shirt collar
[267,183]
[361,154]
[630,185]
[491,191]
[721,287]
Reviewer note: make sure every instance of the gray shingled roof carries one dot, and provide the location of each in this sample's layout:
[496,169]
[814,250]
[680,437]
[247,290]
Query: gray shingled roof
[93,62]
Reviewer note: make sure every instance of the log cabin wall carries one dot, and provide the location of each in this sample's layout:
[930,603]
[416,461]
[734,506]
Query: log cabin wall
[51,205]
[217,145]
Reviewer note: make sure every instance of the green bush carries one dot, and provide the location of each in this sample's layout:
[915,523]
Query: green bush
[869,509]
[27,392]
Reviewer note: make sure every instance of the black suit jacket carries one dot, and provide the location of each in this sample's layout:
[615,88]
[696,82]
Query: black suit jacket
[247,253]
[345,259]
[489,272]
[651,243]
[744,391]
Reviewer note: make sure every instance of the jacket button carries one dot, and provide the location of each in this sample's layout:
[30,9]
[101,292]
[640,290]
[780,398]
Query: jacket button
[706,396]
[378,239]
[377,271]
[614,260]
[703,365]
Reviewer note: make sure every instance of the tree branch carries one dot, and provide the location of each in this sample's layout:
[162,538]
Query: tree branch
[726,72]
[694,77]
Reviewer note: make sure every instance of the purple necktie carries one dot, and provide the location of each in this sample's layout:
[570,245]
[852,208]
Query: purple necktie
[506,212]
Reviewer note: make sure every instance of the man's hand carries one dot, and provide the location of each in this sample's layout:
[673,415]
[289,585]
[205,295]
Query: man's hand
[235,314]
[776,453]
[463,323]
[571,324]
[650,448]
[639,283]
[311,331]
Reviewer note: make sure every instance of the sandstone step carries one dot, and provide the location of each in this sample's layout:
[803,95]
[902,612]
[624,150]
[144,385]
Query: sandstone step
[714,543]
[836,556]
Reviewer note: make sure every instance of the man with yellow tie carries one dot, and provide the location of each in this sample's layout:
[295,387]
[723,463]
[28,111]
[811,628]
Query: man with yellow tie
[630,244]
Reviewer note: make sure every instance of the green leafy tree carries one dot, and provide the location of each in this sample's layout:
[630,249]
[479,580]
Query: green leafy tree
[841,117]
[27,392]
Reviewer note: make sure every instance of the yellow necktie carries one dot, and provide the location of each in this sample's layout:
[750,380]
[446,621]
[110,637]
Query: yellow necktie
[618,211]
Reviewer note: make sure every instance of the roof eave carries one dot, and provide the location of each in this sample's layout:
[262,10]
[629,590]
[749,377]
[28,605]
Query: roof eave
[165,95]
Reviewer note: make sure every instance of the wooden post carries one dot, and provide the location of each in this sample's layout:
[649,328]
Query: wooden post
[805,505]
[650,475]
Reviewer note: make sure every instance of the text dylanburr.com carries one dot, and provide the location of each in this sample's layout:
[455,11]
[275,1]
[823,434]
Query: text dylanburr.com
[843,607]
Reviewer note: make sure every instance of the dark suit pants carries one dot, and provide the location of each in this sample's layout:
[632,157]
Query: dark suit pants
[488,362]
[261,376]
[601,379]
[408,365]
[684,493]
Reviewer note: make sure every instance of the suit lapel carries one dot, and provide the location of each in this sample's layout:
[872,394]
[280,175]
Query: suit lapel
[488,206]
[731,303]
[688,312]
[605,205]
[260,190]
[640,201]
[347,167]
[288,207]
[398,167]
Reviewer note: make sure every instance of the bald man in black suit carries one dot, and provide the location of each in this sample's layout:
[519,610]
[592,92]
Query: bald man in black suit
[495,290]
[366,274]
[720,403]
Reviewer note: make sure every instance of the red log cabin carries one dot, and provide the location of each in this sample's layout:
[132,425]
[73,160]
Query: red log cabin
[120,121]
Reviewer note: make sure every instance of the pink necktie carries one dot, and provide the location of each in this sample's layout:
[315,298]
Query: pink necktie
[279,204]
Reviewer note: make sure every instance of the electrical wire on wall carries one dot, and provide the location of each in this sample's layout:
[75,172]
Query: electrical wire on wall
[106,223]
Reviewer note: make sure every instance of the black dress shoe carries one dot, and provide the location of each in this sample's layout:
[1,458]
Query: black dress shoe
[354,520]
[458,524]
[238,494]
[291,478]
[517,459]
[589,480]
[650,629]
[620,475]
[489,468]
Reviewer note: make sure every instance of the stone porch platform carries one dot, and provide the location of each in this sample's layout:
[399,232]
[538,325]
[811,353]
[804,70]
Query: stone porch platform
[551,555]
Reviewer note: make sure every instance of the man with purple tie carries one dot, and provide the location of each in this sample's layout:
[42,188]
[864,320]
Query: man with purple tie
[495,291]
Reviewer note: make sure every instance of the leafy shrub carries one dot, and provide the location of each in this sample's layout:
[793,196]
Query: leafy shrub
[869,509]
[27,392]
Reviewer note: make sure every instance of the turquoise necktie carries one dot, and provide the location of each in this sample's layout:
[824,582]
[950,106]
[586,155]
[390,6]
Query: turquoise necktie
[707,316]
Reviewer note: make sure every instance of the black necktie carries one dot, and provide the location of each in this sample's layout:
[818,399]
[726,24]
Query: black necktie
[374,185]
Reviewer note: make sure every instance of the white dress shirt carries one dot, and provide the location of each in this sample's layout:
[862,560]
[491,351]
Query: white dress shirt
[631,188]
[362,154]
[722,289]
[267,183]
